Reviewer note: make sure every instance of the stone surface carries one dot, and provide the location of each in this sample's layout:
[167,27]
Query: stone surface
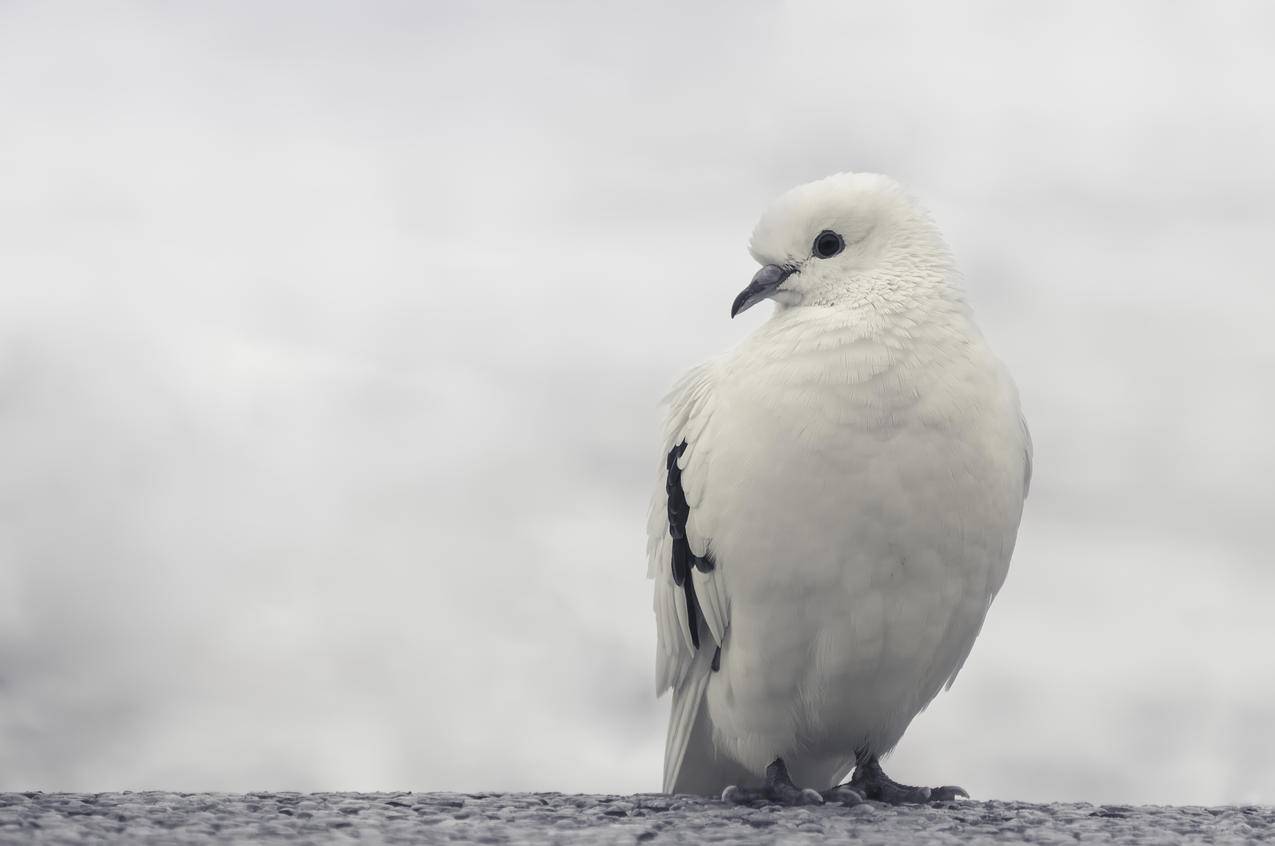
[182,818]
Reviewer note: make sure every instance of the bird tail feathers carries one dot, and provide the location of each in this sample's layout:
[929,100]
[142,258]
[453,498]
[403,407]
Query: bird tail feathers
[692,763]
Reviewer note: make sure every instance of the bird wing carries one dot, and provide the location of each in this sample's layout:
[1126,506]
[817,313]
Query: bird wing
[1028,451]
[692,609]
[997,577]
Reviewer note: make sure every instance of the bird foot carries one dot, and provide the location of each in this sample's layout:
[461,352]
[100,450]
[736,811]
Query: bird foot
[872,782]
[778,789]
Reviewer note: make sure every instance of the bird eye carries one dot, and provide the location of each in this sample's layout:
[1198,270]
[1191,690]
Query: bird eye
[828,244]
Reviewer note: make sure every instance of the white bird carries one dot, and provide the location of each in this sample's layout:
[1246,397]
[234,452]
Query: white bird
[838,501]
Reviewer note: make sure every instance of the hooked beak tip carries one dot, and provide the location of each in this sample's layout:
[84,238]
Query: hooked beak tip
[764,284]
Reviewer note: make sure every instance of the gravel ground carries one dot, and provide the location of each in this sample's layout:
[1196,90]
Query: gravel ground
[183,818]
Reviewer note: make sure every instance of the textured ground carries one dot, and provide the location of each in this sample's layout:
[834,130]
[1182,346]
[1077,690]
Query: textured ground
[181,818]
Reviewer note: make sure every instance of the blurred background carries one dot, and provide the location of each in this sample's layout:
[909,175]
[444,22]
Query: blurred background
[331,338]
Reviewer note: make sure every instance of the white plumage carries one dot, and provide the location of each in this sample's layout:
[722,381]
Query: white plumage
[854,473]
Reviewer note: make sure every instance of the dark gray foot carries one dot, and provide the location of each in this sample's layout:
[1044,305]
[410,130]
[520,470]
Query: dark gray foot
[872,782]
[778,789]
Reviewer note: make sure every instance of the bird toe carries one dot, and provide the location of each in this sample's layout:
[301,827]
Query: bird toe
[948,793]
[811,797]
[845,795]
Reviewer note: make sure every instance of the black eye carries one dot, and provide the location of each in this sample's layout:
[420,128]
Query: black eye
[828,244]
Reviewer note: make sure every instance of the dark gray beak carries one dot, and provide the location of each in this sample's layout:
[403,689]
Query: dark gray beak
[765,283]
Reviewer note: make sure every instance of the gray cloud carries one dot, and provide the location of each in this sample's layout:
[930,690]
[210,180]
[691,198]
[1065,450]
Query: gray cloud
[330,340]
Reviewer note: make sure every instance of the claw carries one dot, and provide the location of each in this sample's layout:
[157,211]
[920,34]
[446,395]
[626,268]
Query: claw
[947,793]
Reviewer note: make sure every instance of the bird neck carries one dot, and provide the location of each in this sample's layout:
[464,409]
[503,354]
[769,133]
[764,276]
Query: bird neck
[888,313]
[924,333]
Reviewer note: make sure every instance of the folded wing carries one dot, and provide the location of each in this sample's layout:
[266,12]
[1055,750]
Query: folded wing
[692,610]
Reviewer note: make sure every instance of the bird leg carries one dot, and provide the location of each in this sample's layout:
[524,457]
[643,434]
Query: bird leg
[872,782]
[778,789]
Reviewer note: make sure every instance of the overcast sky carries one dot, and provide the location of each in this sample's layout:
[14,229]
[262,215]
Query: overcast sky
[331,337]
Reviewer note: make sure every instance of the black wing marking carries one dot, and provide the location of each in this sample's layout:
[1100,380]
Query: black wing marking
[683,558]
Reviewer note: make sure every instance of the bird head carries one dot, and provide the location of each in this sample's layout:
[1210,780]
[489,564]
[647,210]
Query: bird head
[848,239]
